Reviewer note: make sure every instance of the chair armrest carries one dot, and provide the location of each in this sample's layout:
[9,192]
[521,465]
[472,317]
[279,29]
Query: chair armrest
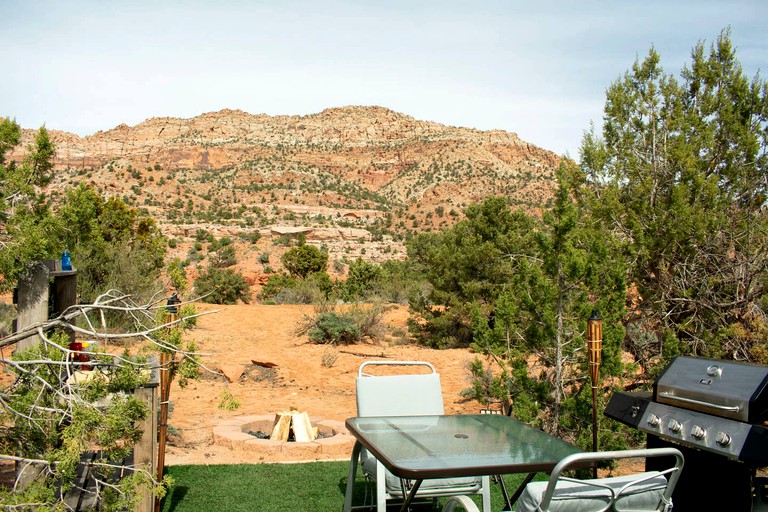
[578,459]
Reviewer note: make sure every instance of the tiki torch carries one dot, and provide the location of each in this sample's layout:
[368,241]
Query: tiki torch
[594,350]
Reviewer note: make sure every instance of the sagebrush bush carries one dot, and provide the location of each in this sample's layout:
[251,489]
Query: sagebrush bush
[344,325]
[335,329]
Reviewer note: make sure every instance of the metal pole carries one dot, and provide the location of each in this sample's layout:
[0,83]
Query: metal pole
[594,350]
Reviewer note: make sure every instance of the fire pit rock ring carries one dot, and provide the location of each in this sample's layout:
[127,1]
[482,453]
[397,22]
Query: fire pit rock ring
[334,442]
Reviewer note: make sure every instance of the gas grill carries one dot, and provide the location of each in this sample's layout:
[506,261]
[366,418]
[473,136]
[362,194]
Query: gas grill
[716,412]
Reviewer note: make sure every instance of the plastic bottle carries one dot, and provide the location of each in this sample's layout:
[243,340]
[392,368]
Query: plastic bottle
[66,260]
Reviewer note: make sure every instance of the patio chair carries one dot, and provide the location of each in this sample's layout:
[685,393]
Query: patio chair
[410,394]
[648,491]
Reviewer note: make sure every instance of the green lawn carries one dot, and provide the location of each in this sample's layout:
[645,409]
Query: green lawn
[314,486]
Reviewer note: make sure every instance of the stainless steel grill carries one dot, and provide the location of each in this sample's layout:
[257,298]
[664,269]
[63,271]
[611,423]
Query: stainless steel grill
[718,412]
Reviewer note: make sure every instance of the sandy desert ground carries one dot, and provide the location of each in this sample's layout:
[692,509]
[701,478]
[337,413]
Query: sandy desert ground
[236,336]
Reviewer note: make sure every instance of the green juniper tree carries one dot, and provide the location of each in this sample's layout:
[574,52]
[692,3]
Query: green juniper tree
[48,419]
[679,173]
[28,230]
[570,268]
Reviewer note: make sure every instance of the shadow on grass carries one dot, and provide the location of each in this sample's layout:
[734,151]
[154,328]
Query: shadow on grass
[173,498]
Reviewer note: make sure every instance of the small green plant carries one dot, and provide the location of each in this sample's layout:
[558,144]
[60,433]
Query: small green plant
[228,402]
[264,258]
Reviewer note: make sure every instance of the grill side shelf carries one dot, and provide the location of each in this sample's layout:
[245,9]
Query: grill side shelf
[758,411]
[755,449]
[628,408]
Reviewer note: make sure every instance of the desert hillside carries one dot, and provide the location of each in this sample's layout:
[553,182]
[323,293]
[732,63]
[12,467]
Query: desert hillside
[359,180]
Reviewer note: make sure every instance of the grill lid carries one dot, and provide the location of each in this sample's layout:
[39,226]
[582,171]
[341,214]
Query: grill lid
[722,388]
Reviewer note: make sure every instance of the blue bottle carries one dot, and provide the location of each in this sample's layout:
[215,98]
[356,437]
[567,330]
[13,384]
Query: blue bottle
[66,260]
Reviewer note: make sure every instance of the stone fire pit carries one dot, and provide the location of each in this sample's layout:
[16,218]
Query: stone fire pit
[334,443]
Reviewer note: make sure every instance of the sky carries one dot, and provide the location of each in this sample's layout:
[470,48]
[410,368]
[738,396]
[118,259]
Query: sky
[536,68]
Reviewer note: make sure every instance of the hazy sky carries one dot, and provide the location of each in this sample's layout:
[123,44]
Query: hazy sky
[537,68]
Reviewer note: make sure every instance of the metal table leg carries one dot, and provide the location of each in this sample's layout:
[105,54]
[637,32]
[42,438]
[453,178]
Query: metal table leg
[511,501]
[411,494]
[351,476]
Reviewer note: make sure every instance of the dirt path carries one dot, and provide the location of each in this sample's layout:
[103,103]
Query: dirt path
[238,335]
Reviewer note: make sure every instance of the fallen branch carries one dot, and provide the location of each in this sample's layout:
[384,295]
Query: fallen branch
[362,354]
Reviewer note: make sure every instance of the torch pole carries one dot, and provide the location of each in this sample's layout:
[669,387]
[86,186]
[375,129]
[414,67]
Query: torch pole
[594,350]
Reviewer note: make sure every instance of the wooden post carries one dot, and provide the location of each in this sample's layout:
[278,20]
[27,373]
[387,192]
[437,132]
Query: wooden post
[145,451]
[165,393]
[162,432]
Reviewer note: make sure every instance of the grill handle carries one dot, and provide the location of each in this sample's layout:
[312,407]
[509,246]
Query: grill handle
[727,408]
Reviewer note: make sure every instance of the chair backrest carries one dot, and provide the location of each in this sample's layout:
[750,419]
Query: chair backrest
[412,394]
[640,492]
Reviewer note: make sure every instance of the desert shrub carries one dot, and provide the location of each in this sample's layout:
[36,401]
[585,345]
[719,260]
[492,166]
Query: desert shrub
[176,275]
[362,280]
[222,286]
[399,282]
[488,387]
[224,257]
[276,284]
[201,235]
[252,236]
[264,258]
[344,326]
[113,245]
[194,254]
[315,289]
[334,329]
[304,260]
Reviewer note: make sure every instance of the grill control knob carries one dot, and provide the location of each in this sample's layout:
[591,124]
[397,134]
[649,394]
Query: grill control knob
[698,432]
[654,420]
[675,426]
[723,439]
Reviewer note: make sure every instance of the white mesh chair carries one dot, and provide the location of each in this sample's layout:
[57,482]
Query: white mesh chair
[410,394]
[648,491]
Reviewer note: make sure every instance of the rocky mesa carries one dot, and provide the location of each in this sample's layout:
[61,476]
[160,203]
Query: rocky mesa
[356,167]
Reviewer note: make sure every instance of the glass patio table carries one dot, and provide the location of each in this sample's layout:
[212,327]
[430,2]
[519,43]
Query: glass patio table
[425,447]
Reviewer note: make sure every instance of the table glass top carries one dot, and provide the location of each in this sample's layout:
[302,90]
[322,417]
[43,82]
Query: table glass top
[460,445]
